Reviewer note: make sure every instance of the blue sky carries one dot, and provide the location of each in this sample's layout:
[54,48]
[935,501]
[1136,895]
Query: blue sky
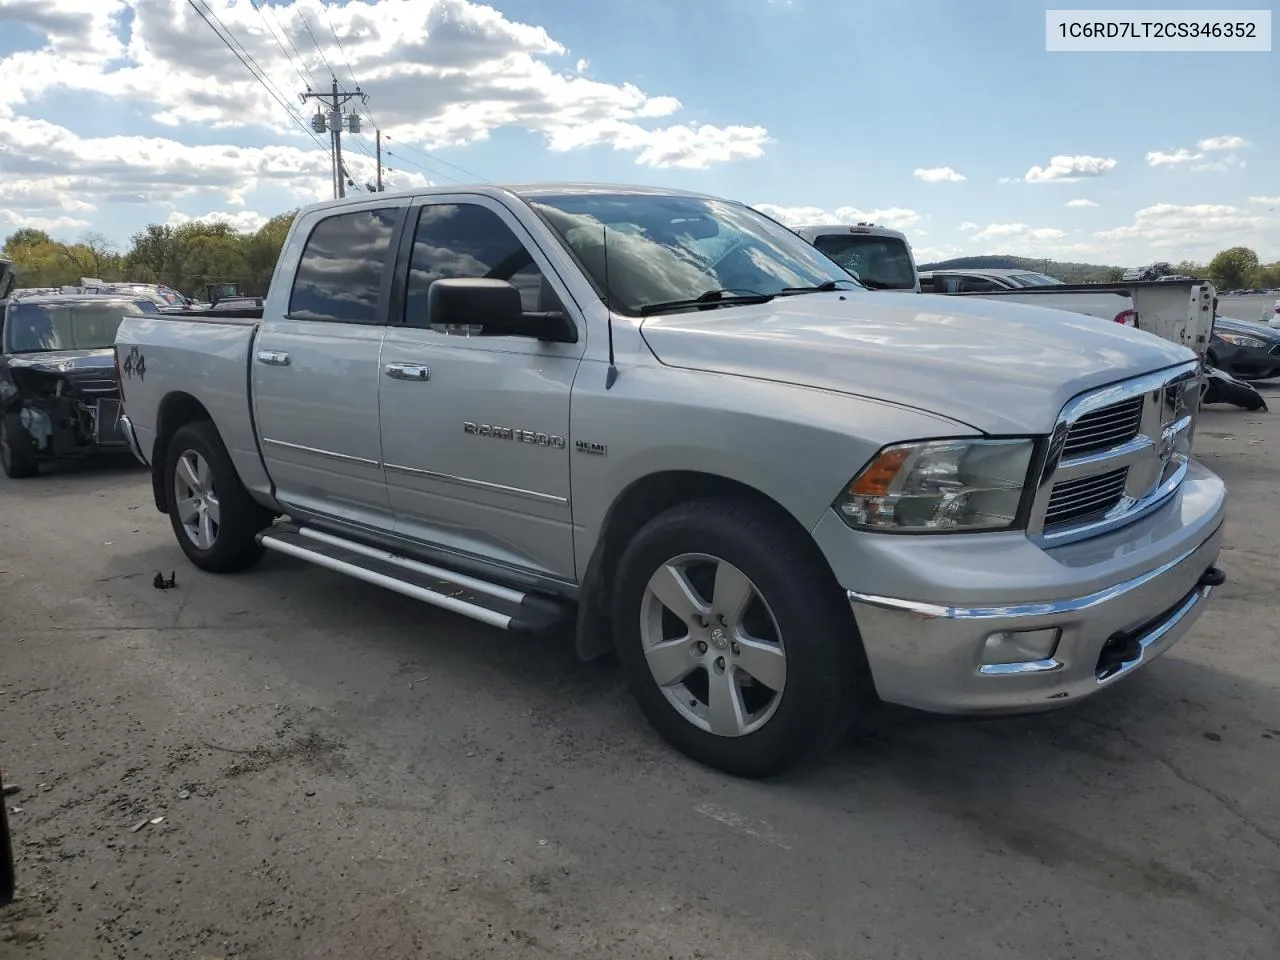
[126,112]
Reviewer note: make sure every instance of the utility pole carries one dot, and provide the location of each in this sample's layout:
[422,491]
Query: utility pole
[379,141]
[336,100]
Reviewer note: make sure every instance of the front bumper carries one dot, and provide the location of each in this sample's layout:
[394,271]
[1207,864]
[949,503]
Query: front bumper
[1134,592]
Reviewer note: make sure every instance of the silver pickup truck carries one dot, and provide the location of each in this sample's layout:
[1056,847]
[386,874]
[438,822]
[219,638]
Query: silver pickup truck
[774,493]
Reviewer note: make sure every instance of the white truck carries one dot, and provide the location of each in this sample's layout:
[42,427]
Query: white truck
[775,494]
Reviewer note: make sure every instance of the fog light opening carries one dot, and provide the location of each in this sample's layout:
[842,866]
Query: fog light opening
[1020,646]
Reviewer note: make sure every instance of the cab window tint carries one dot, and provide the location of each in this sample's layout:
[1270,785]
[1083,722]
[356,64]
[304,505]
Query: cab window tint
[468,241]
[340,271]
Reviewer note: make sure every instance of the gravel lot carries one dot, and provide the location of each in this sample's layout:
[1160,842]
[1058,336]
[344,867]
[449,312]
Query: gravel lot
[344,773]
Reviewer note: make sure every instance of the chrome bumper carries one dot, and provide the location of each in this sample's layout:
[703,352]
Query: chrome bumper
[931,656]
[126,427]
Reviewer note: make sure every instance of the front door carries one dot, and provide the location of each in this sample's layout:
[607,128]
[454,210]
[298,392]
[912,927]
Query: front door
[315,369]
[475,430]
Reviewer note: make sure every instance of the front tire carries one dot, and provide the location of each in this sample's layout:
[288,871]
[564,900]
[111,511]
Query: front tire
[734,638]
[214,518]
[17,451]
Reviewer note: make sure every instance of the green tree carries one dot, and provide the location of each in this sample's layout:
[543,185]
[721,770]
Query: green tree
[1189,268]
[1232,268]
[25,237]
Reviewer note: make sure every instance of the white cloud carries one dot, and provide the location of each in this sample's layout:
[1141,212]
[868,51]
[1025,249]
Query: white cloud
[444,73]
[11,218]
[896,218]
[1195,231]
[1229,162]
[242,221]
[1158,158]
[967,225]
[998,230]
[1067,169]
[1081,202]
[441,73]
[1266,201]
[1222,143]
[939,175]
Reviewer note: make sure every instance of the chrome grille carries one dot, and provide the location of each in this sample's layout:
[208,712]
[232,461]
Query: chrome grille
[1108,427]
[1084,497]
[1116,454]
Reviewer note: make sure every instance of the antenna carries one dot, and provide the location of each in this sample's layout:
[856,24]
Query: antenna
[612,375]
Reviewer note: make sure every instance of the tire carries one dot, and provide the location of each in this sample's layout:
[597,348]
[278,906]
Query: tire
[795,601]
[17,452]
[225,519]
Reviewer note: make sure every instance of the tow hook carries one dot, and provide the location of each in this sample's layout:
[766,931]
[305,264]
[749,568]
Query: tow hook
[1213,577]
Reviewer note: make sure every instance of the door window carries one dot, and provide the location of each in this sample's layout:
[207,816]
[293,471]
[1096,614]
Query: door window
[468,241]
[340,272]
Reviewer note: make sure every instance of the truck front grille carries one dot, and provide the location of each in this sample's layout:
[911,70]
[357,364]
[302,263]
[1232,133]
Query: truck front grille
[1084,497]
[1116,454]
[1108,427]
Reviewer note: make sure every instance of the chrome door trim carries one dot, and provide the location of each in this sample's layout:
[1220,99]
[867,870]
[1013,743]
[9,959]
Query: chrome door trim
[478,484]
[342,457]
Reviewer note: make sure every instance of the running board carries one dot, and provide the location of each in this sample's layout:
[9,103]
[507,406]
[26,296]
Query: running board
[491,603]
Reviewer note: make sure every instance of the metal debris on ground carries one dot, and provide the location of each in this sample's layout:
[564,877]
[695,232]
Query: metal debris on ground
[138,826]
[183,794]
[10,789]
[162,583]
[156,820]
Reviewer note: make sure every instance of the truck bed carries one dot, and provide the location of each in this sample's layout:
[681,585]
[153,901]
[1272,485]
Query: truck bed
[172,353]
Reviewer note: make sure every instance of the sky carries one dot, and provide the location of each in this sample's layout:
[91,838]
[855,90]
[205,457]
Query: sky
[944,119]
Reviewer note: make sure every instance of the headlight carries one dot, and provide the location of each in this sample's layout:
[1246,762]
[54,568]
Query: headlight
[939,485]
[1241,340]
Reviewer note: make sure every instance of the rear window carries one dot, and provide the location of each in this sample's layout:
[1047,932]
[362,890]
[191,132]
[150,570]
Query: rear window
[340,272]
[88,325]
[882,263]
[1034,280]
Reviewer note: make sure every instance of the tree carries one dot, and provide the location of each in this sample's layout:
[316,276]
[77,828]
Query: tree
[1189,268]
[1231,268]
[26,237]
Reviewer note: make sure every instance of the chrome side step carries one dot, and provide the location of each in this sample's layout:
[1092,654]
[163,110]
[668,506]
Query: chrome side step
[491,603]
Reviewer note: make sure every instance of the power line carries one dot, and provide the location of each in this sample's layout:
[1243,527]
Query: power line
[258,74]
[325,10]
[308,78]
[319,49]
[435,159]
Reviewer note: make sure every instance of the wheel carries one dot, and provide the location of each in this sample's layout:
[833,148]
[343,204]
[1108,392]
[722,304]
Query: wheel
[213,516]
[17,452]
[734,638]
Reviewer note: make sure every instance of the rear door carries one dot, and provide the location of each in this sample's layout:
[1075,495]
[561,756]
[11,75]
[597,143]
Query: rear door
[475,428]
[315,371]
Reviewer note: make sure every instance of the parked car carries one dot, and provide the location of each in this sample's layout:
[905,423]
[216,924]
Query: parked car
[58,393]
[878,257]
[1250,351]
[982,281]
[774,493]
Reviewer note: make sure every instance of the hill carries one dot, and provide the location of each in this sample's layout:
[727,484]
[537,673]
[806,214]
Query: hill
[1067,272]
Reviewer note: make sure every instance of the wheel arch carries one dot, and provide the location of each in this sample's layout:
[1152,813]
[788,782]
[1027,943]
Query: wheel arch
[640,501]
[176,410]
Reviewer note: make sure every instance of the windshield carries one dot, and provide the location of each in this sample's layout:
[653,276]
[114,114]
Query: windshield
[882,263]
[37,327]
[1034,280]
[663,248]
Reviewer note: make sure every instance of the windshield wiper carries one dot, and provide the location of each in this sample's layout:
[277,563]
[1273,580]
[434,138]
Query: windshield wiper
[826,286]
[712,298]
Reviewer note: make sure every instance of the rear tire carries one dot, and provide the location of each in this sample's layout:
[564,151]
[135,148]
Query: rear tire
[786,659]
[214,518]
[17,450]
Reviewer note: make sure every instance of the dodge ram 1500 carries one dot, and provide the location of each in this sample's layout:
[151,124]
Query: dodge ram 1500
[774,493]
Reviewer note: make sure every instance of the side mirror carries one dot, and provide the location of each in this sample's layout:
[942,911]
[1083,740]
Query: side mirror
[492,308]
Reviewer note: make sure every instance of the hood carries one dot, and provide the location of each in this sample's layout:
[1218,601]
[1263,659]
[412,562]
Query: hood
[1003,368]
[1261,331]
[71,362]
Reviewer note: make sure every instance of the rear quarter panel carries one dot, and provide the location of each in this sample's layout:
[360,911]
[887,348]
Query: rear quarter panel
[207,359]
